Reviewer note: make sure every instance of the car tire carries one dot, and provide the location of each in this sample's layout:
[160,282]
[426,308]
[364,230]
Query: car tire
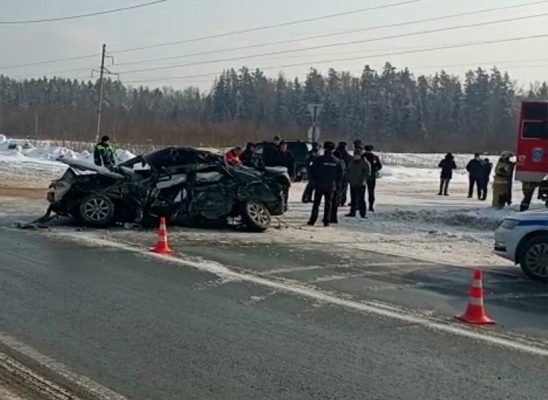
[533,258]
[255,216]
[97,210]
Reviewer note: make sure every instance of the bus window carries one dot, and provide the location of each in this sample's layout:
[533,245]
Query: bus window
[535,130]
[534,110]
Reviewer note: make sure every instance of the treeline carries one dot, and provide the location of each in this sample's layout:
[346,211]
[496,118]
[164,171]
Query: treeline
[391,108]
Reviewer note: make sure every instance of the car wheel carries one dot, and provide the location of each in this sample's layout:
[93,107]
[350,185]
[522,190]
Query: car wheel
[97,210]
[534,258]
[255,216]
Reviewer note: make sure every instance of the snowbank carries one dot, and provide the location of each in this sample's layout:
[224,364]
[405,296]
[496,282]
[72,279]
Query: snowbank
[427,160]
[22,150]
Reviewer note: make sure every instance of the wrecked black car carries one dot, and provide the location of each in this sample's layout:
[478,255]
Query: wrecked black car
[187,186]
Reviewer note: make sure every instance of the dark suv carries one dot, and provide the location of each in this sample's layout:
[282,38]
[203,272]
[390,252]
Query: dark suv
[300,150]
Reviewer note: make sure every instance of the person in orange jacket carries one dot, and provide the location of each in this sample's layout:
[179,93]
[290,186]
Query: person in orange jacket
[233,156]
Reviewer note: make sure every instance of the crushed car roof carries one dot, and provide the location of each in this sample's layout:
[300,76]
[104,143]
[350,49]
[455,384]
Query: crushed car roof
[181,156]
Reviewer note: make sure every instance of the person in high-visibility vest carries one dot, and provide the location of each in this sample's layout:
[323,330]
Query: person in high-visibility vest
[103,153]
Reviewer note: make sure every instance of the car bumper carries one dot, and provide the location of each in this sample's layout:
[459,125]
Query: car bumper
[501,251]
[501,247]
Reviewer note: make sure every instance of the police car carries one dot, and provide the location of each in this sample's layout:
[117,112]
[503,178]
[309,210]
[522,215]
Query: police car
[523,239]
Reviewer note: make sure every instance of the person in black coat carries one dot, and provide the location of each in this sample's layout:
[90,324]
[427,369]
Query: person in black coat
[474,175]
[309,189]
[250,157]
[447,166]
[284,158]
[270,152]
[486,167]
[327,174]
[342,154]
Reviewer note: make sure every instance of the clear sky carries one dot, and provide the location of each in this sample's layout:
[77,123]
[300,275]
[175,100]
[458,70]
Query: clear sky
[177,20]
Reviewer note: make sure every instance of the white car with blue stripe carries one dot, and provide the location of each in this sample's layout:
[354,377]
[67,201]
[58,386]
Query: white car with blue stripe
[523,239]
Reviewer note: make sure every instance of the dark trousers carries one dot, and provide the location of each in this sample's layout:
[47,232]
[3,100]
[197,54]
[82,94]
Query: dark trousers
[371,183]
[473,181]
[444,185]
[357,200]
[285,192]
[343,192]
[528,189]
[483,185]
[327,207]
[308,192]
[335,207]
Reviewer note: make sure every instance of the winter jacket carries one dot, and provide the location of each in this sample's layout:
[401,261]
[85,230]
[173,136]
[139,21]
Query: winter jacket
[359,172]
[327,172]
[375,163]
[486,168]
[103,154]
[504,170]
[232,158]
[285,159]
[343,155]
[251,159]
[312,155]
[474,168]
[447,166]
[270,151]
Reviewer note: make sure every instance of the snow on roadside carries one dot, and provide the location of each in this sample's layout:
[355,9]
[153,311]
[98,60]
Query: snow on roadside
[411,220]
[21,161]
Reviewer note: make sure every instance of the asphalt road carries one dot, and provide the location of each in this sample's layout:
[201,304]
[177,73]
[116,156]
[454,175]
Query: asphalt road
[149,329]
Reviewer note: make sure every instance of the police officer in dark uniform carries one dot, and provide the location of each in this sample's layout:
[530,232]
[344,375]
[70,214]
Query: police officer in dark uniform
[327,174]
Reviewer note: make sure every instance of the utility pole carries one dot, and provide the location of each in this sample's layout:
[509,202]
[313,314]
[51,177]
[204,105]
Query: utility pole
[102,71]
[101,88]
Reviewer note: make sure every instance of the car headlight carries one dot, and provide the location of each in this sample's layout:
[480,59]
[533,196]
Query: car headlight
[509,224]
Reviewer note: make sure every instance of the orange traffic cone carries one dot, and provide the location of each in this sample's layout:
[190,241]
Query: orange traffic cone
[162,247]
[475,312]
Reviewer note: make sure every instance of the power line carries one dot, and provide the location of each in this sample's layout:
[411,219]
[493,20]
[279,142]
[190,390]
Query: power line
[50,61]
[336,44]
[55,72]
[334,34]
[429,49]
[265,27]
[93,14]
[215,35]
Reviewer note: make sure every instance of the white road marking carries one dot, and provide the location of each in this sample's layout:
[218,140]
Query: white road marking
[342,267]
[372,307]
[57,368]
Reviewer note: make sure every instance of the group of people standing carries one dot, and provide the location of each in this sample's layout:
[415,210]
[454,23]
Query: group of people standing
[479,172]
[275,154]
[332,173]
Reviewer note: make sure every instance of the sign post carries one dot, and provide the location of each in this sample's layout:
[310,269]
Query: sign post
[314,131]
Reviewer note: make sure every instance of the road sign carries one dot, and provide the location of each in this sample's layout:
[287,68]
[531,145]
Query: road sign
[314,133]
[315,109]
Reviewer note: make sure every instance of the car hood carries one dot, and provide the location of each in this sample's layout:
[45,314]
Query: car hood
[86,166]
[531,216]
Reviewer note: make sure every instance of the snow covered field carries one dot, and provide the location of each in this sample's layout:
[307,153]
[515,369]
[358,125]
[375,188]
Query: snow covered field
[411,220]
